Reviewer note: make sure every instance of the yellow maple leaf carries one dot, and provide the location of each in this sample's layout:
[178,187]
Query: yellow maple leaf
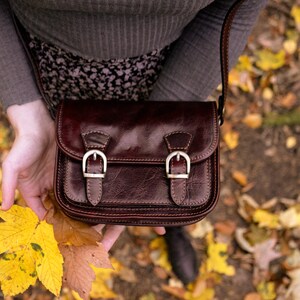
[29,251]
[17,270]
[217,257]
[267,60]
[49,264]
[266,219]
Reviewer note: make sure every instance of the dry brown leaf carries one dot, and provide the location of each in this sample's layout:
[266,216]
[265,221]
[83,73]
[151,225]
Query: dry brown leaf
[248,203]
[178,292]
[241,240]
[78,275]
[253,296]
[291,142]
[128,275]
[231,139]
[227,227]
[68,231]
[160,273]
[240,178]
[253,120]
[288,101]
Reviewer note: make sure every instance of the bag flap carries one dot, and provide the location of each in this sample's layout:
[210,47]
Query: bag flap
[139,131]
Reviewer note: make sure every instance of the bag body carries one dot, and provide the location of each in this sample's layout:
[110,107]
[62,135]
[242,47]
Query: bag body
[137,163]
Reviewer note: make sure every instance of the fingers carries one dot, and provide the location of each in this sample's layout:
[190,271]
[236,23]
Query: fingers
[36,204]
[160,230]
[9,185]
[111,235]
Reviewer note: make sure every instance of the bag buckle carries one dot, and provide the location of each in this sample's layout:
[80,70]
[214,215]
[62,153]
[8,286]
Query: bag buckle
[94,153]
[178,154]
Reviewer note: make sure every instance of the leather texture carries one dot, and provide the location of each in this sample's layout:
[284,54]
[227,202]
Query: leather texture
[136,138]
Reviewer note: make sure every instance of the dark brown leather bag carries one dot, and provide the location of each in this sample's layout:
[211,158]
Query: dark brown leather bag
[145,163]
[140,163]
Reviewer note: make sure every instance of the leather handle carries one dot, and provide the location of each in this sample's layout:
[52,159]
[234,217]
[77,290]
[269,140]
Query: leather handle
[224,55]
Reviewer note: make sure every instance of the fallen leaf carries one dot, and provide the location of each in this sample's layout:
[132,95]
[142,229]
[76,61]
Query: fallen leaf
[264,253]
[242,241]
[102,285]
[295,13]
[241,79]
[247,206]
[290,218]
[293,260]
[149,296]
[207,294]
[240,178]
[266,290]
[128,275]
[291,142]
[253,296]
[78,274]
[244,63]
[49,263]
[266,219]
[227,227]
[267,94]
[288,101]
[69,231]
[267,60]
[159,253]
[217,257]
[200,229]
[178,292]
[29,251]
[5,142]
[253,120]
[257,235]
[290,46]
[294,288]
[231,139]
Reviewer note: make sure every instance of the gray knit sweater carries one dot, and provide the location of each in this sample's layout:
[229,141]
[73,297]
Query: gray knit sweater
[104,29]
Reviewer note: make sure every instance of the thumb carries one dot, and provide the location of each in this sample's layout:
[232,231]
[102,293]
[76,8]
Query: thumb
[36,204]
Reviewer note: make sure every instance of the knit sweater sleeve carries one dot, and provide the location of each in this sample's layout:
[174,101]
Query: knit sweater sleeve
[192,70]
[17,83]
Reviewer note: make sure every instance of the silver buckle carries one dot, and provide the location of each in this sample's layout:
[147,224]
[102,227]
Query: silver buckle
[188,165]
[94,153]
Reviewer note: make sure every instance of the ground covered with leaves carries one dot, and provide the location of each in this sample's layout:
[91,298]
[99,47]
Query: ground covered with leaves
[248,248]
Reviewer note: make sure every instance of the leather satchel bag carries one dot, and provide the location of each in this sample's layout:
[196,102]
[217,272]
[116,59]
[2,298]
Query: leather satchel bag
[141,163]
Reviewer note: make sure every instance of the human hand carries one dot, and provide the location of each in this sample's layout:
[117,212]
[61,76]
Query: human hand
[29,166]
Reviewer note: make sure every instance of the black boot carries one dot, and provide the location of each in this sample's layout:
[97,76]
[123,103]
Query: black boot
[182,255]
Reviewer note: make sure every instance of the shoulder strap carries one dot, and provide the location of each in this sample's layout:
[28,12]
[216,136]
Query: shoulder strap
[224,54]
